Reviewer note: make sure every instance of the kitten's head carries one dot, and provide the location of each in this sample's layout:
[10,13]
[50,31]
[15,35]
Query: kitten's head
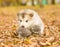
[25,18]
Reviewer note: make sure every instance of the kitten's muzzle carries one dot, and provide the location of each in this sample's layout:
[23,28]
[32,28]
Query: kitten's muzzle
[23,26]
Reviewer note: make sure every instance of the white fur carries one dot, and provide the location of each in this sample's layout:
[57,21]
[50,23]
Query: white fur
[36,20]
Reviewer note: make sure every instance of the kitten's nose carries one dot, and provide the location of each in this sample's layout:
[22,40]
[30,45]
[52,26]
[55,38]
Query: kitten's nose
[22,26]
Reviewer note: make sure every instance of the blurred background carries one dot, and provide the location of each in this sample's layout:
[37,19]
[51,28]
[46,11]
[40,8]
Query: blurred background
[28,2]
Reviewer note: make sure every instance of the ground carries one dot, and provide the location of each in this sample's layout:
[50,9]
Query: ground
[9,24]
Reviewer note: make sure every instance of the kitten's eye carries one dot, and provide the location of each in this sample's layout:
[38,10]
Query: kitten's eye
[26,20]
[20,20]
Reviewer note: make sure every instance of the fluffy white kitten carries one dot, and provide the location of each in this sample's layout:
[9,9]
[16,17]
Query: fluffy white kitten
[28,17]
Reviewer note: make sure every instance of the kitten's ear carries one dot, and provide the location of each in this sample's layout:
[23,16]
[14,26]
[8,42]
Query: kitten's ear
[31,15]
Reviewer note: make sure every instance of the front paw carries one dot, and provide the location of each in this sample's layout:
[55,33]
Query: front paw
[35,29]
